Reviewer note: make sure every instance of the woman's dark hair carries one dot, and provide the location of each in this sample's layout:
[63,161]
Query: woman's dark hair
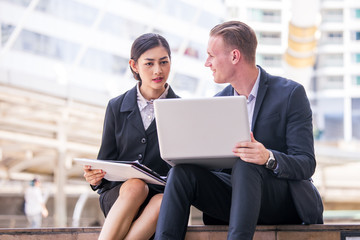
[145,42]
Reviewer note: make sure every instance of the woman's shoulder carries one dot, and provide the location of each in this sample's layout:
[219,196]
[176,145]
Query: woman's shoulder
[117,101]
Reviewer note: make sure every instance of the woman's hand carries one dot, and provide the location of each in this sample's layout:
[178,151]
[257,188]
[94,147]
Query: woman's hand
[93,176]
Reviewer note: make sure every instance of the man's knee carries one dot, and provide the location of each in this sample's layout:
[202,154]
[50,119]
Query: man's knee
[244,172]
[184,172]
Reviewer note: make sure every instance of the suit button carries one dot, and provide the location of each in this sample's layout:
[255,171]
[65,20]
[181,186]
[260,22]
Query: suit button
[140,156]
[143,140]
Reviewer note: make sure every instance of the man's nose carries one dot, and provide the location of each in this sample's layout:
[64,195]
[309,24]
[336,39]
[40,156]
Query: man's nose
[207,63]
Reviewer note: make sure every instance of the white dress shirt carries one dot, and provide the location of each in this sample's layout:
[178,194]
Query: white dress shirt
[251,100]
[146,107]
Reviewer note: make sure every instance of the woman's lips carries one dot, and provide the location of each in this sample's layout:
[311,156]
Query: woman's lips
[157,80]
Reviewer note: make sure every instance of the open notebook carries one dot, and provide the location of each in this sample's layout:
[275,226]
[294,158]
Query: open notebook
[123,170]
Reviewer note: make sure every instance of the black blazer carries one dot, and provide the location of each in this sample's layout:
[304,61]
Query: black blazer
[282,122]
[125,139]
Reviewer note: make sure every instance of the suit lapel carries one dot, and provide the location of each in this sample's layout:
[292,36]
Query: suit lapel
[152,127]
[263,86]
[130,105]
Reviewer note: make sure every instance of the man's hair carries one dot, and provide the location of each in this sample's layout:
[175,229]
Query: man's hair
[237,35]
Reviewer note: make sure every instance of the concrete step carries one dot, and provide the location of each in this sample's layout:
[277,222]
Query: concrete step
[278,232]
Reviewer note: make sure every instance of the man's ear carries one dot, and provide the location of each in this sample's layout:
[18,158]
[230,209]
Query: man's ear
[235,56]
[133,65]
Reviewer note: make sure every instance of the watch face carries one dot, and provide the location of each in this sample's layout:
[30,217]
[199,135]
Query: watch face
[271,164]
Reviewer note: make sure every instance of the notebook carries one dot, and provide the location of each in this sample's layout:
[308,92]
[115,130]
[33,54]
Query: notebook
[123,170]
[201,131]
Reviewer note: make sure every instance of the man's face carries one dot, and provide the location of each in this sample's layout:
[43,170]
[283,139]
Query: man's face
[219,60]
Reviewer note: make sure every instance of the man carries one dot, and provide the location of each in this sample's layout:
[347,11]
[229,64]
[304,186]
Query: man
[271,181]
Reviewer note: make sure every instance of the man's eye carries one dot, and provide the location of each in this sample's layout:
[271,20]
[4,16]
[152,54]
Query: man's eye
[164,62]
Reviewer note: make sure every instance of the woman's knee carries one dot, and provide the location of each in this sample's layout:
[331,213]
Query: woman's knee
[156,200]
[134,189]
[154,204]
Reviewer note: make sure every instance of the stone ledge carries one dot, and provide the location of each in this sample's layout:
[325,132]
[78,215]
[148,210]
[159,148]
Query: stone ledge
[280,232]
[272,232]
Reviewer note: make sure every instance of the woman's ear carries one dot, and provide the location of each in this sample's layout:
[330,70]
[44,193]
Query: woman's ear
[133,65]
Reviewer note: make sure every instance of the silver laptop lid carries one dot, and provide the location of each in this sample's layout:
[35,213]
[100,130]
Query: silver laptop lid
[201,131]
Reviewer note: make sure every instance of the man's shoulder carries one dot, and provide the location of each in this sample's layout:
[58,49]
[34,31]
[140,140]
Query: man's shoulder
[278,81]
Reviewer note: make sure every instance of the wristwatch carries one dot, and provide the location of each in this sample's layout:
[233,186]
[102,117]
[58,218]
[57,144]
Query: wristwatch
[271,162]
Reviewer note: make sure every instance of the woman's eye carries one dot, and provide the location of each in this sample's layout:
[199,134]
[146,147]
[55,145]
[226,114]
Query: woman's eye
[149,64]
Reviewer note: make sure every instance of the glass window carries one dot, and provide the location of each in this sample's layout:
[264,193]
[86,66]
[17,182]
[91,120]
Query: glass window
[269,38]
[269,60]
[208,20]
[24,3]
[180,10]
[330,82]
[260,15]
[357,13]
[104,62]
[355,105]
[332,15]
[355,35]
[173,40]
[121,27]
[46,46]
[184,82]
[69,10]
[331,60]
[148,3]
[6,30]
[330,118]
[333,38]
[196,50]
[356,80]
[356,57]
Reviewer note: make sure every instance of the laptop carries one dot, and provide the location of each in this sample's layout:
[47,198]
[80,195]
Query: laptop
[201,131]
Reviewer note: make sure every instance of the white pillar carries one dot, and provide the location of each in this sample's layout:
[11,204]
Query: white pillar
[60,174]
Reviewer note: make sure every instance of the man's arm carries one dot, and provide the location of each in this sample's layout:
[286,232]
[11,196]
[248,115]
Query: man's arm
[298,162]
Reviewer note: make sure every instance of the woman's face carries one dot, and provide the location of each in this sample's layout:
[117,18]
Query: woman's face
[153,67]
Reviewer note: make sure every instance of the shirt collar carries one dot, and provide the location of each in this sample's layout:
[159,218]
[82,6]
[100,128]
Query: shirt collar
[254,90]
[143,102]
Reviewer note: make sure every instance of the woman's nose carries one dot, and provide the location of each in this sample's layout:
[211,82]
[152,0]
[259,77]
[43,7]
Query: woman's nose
[158,69]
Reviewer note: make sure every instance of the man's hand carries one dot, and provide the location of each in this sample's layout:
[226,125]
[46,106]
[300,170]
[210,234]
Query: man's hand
[252,152]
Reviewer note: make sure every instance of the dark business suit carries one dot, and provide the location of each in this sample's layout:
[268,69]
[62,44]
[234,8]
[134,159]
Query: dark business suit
[252,194]
[125,139]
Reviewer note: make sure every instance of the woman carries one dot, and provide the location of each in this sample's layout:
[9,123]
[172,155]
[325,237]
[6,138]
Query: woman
[131,208]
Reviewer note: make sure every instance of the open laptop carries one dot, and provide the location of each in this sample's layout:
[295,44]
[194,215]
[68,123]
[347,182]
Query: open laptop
[201,131]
